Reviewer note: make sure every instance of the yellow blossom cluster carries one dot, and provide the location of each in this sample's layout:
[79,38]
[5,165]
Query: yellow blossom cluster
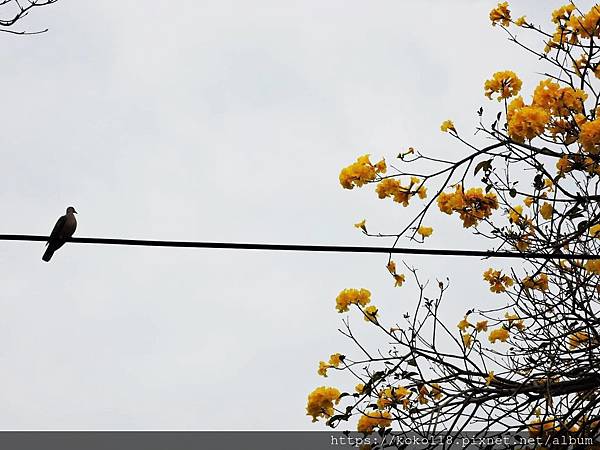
[373,419]
[514,321]
[423,394]
[500,14]
[482,325]
[539,284]
[447,125]
[425,231]
[589,136]
[515,215]
[557,101]
[370,313]
[391,187]
[563,165]
[521,21]
[399,278]
[576,339]
[572,27]
[594,230]
[553,107]
[593,266]
[582,64]
[467,340]
[506,84]
[538,427]
[334,361]
[436,391]
[546,210]
[501,334]
[360,172]
[320,402]
[394,395]
[472,206]
[361,225]
[351,296]
[498,282]
[525,122]
[578,161]
[464,324]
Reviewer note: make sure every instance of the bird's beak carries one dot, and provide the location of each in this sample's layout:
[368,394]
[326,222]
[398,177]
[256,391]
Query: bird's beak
[75,212]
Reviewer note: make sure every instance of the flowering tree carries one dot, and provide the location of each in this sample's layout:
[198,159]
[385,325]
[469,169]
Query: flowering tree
[12,11]
[532,365]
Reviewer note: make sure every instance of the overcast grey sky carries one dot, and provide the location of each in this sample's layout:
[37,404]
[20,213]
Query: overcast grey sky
[218,121]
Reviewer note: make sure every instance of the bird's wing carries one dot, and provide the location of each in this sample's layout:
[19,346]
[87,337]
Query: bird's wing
[56,231]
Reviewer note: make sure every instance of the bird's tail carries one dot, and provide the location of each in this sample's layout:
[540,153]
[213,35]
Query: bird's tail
[48,254]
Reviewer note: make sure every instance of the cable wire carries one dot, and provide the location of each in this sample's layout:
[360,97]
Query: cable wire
[306,248]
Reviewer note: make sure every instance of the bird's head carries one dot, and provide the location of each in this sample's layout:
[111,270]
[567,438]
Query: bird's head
[71,210]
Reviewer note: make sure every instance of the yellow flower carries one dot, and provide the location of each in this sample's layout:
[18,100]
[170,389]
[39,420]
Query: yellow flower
[490,378]
[506,84]
[498,282]
[576,339]
[381,166]
[563,13]
[563,165]
[499,334]
[527,122]
[422,397]
[540,284]
[373,419]
[391,395]
[370,314]
[360,172]
[447,125]
[513,320]
[360,388]
[589,136]
[482,325]
[537,427]
[391,267]
[463,324]
[425,231]
[472,206]
[521,21]
[320,402]
[595,231]
[400,278]
[390,187]
[336,359]
[515,214]
[352,296]
[593,266]
[467,340]
[522,244]
[528,201]
[436,391]
[561,102]
[323,366]
[400,392]
[500,14]
[546,210]
[362,225]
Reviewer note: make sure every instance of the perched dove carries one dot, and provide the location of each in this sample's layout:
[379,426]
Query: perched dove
[64,229]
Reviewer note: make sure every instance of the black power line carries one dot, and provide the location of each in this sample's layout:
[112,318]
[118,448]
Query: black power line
[306,248]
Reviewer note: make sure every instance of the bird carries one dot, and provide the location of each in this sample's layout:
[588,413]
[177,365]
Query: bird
[63,230]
